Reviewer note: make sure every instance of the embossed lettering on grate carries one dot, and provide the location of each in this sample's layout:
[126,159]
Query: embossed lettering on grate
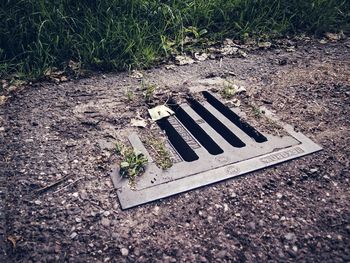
[209,143]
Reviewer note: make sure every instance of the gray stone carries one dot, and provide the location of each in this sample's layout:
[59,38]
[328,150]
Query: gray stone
[313,170]
[106,213]
[73,235]
[105,222]
[124,251]
[252,225]
[289,236]
[84,195]
[221,254]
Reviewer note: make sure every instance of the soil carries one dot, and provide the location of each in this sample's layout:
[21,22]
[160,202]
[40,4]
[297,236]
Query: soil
[56,151]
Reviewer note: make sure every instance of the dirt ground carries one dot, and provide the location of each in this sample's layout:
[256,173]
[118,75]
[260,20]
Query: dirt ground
[294,212]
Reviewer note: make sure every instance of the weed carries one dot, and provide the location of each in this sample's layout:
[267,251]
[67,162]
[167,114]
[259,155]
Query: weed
[129,94]
[228,90]
[162,158]
[257,113]
[132,163]
[149,90]
[111,34]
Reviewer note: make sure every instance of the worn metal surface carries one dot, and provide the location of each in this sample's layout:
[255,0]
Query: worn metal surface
[207,169]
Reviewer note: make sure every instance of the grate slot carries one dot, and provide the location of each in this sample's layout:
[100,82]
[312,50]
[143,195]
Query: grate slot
[217,125]
[204,139]
[177,141]
[234,118]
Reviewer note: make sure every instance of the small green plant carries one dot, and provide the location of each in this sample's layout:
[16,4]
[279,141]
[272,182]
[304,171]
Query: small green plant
[129,94]
[132,163]
[257,113]
[149,90]
[162,158]
[228,90]
[195,32]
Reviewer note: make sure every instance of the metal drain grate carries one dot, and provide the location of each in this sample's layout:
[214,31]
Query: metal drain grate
[209,143]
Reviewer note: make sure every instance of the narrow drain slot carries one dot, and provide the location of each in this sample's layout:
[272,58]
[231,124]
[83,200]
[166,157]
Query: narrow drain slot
[204,139]
[217,125]
[177,141]
[234,118]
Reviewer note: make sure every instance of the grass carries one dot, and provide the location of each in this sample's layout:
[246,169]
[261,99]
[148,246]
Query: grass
[162,155]
[129,94]
[132,163]
[37,35]
[228,90]
[149,90]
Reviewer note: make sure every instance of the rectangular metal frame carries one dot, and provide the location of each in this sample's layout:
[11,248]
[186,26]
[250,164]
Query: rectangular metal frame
[168,184]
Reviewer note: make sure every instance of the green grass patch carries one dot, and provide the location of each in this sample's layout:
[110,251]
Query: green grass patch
[132,163]
[36,35]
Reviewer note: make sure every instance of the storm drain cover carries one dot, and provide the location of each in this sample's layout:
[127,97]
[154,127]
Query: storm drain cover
[208,143]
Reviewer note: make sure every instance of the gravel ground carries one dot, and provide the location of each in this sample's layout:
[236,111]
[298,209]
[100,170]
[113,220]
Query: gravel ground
[56,153]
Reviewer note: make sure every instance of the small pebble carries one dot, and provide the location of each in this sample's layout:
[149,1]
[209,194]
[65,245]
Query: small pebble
[156,210]
[73,235]
[124,251]
[105,222]
[289,236]
[252,225]
[226,207]
[106,213]
[314,170]
[84,195]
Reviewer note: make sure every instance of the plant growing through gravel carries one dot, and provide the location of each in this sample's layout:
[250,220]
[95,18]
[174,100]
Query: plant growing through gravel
[162,157]
[132,163]
[129,94]
[228,90]
[149,90]
[257,113]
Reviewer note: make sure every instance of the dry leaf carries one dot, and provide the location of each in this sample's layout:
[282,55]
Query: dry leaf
[169,67]
[183,60]
[200,57]
[75,66]
[242,53]
[228,50]
[63,79]
[240,89]
[136,74]
[160,112]
[264,45]
[335,37]
[2,100]
[236,103]
[13,240]
[138,123]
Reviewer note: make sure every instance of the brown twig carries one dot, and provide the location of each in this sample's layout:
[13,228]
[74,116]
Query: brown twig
[59,190]
[46,188]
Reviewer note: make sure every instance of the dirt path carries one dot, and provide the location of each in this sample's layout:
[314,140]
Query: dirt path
[297,211]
